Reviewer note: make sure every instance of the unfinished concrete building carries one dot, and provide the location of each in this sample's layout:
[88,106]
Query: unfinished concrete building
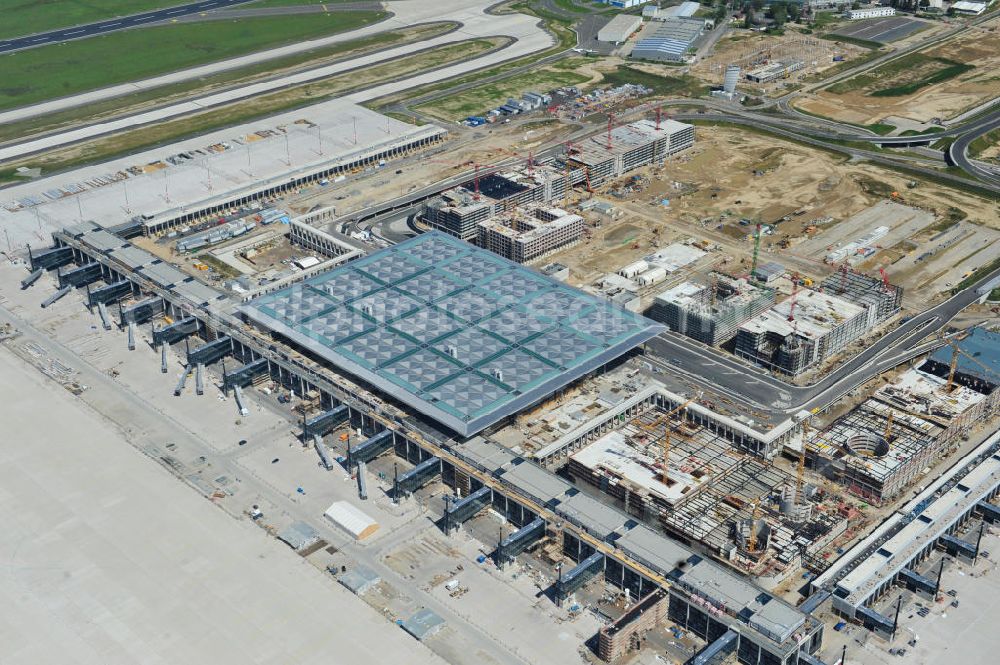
[707,494]
[879,298]
[459,211]
[607,156]
[881,447]
[710,313]
[800,332]
[528,233]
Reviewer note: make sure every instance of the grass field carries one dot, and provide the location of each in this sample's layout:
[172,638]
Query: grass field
[479,99]
[902,76]
[984,143]
[163,94]
[26,17]
[35,75]
[103,149]
[847,39]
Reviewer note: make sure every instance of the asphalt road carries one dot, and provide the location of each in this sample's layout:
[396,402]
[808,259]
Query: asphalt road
[958,152]
[112,25]
[716,371]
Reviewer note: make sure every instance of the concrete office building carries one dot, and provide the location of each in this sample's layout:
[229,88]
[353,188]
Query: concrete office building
[459,211]
[774,71]
[877,459]
[880,300]
[631,146]
[869,12]
[791,342]
[526,234]
[710,313]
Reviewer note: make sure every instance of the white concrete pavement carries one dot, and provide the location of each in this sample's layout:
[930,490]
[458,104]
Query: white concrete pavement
[527,38]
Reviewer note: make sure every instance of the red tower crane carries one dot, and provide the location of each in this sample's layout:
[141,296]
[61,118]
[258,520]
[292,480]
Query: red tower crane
[886,286]
[795,293]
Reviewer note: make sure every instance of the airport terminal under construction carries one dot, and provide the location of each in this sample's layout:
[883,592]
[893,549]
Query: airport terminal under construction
[460,364]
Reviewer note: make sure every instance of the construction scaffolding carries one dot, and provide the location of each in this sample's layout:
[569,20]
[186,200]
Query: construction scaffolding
[879,298]
[710,313]
[708,493]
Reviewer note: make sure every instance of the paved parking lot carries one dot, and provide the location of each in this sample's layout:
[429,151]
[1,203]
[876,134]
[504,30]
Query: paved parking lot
[882,30]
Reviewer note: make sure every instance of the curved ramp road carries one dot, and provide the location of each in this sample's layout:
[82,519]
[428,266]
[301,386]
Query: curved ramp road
[112,25]
[527,38]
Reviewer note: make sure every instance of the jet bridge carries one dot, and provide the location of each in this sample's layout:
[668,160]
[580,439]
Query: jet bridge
[718,651]
[519,541]
[914,581]
[56,296]
[109,292]
[582,573]
[175,331]
[244,375]
[47,259]
[956,546]
[141,311]
[321,450]
[324,422]
[417,477]
[370,448]
[458,512]
[206,354]
[32,278]
[81,275]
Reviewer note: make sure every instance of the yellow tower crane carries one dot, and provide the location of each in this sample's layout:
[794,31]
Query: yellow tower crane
[665,421]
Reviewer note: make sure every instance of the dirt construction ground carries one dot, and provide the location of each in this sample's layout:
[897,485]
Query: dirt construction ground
[745,49]
[713,186]
[979,47]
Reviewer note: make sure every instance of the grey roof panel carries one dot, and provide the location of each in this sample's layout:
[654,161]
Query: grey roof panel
[464,336]
[536,482]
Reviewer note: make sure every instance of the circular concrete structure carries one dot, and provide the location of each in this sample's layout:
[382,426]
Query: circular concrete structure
[867,445]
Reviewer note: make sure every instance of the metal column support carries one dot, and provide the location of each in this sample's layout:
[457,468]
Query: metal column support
[163,358]
[131,335]
[181,381]
[32,278]
[362,481]
[102,310]
[321,450]
[238,394]
[199,379]
[56,296]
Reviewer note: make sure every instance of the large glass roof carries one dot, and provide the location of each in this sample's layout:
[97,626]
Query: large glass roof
[453,331]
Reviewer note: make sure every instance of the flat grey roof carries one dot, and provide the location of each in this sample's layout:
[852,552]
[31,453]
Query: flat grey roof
[598,519]
[104,241]
[453,331]
[423,624]
[490,456]
[536,482]
[163,274]
[359,579]
[650,548]
[197,292]
[133,257]
[298,535]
